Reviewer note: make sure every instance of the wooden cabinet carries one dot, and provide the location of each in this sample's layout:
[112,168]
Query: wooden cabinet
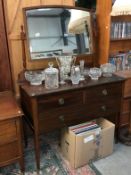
[5,72]
[47,110]
[11,150]
[122,43]
[126,100]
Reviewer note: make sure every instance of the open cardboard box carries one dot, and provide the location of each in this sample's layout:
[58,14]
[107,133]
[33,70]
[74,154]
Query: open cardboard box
[90,145]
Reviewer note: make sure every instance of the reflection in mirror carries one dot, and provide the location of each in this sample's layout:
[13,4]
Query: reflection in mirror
[54,31]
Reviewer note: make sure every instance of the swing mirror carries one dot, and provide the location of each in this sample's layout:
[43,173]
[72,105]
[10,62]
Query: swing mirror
[58,30]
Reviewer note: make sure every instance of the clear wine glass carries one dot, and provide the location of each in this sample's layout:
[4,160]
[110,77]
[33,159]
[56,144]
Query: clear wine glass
[62,75]
[82,63]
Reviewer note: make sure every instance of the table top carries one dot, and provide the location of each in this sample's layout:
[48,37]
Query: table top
[124,73]
[8,106]
[39,90]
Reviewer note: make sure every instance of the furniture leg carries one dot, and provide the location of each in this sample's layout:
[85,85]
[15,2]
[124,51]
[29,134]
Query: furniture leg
[37,151]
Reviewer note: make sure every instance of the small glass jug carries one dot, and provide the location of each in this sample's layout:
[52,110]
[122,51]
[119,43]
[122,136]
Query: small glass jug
[75,74]
[51,77]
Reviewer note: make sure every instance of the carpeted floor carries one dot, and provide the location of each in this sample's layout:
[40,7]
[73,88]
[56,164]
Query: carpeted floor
[52,162]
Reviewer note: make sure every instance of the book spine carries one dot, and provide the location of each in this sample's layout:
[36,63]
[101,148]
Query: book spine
[81,125]
[87,129]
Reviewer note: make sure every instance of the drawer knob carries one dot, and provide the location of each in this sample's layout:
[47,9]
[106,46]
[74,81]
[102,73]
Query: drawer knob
[104,92]
[61,118]
[61,101]
[103,108]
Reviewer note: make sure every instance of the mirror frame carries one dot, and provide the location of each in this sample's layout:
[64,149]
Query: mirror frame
[89,58]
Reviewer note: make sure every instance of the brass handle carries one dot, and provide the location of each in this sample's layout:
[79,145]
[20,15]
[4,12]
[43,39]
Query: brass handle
[104,92]
[103,108]
[61,118]
[61,101]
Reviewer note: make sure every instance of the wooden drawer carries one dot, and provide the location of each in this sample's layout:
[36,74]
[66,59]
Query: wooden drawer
[50,120]
[8,131]
[104,100]
[103,108]
[60,100]
[8,153]
[103,93]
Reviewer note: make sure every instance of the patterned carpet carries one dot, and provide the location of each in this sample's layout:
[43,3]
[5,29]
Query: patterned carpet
[52,162]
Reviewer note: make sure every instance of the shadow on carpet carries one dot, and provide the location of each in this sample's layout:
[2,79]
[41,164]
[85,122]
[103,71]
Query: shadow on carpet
[52,161]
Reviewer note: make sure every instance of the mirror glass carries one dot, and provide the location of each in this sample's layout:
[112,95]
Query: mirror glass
[53,31]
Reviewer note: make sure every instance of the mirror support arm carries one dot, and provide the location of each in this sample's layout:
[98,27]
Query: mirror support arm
[21,75]
[23,37]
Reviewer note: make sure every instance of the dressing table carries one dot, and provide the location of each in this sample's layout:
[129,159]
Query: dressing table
[46,110]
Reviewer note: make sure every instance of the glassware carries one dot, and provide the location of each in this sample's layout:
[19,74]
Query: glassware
[51,77]
[95,73]
[75,74]
[35,77]
[66,62]
[62,77]
[82,62]
[107,69]
[86,71]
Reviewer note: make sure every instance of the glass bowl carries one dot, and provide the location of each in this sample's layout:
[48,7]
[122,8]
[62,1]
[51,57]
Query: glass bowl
[107,69]
[95,73]
[34,77]
[86,71]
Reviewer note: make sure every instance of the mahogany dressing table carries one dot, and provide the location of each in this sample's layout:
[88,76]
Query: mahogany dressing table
[46,110]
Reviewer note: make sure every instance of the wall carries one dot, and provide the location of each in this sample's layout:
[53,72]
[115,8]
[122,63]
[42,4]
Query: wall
[14,20]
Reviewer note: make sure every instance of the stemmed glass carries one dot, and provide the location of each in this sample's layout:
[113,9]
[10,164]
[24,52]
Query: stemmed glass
[65,62]
[82,62]
[62,75]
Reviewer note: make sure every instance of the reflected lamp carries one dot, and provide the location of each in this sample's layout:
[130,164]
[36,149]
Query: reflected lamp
[78,22]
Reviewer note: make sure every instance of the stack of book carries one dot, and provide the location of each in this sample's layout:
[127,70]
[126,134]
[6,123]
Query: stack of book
[84,127]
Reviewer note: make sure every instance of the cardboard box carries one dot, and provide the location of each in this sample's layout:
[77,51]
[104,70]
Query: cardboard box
[79,149]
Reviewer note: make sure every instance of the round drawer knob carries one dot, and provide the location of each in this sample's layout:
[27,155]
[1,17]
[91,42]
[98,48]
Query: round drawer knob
[61,118]
[103,108]
[104,92]
[61,101]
